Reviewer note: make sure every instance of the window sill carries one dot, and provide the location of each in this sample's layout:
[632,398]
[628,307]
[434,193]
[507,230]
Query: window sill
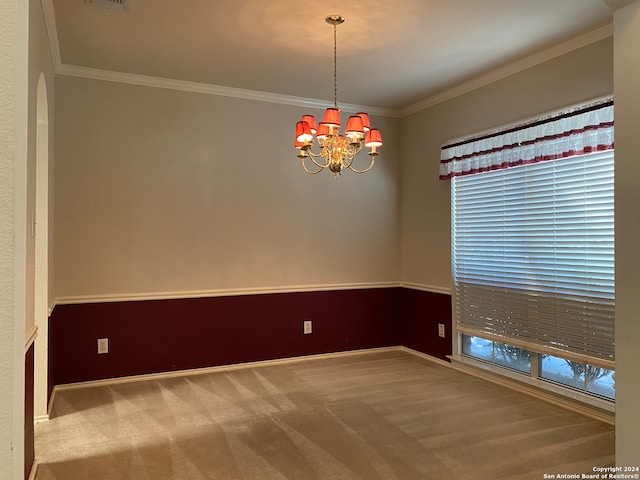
[591,406]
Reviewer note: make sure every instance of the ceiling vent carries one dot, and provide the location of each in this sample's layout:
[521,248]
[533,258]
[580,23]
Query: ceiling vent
[110,4]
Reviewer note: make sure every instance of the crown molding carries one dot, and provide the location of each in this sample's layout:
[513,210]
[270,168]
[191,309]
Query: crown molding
[218,90]
[511,68]
[208,89]
[52,33]
[183,85]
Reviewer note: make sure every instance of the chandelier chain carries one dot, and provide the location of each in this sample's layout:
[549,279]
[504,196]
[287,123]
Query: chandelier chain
[335,66]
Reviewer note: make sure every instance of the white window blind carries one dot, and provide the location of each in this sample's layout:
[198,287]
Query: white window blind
[533,256]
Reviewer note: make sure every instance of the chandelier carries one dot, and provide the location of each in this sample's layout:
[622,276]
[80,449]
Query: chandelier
[336,151]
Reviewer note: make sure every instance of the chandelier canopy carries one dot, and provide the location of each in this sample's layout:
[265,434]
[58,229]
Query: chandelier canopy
[336,151]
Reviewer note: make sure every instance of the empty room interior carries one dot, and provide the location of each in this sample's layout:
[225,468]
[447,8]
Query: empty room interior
[209,275]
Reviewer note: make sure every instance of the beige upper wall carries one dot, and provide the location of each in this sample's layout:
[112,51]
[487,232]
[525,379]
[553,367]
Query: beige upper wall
[168,192]
[578,76]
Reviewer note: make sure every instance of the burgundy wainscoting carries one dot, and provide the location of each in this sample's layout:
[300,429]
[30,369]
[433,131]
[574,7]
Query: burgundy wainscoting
[29,437]
[164,335]
[421,313]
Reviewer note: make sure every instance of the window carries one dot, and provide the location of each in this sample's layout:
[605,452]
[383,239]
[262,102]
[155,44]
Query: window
[568,373]
[533,247]
[594,380]
[497,353]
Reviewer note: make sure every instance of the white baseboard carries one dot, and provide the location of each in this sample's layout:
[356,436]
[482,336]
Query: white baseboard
[537,391]
[222,368]
[550,397]
[575,405]
[34,468]
[425,356]
[41,419]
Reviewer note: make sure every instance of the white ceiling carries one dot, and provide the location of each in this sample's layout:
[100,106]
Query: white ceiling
[392,54]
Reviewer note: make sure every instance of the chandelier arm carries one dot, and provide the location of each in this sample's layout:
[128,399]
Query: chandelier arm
[312,156]
[304,166]
[365,170]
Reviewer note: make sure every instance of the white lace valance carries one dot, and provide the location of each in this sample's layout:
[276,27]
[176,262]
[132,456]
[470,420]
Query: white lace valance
[584,129]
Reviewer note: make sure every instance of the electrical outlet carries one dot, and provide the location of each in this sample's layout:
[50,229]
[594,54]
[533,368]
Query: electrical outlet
[103,345]
[307,327]
[441,329]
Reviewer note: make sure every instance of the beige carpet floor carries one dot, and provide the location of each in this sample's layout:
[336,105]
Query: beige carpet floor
[386,415]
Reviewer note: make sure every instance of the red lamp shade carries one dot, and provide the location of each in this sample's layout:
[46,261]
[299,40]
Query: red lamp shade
[323,131]
[354,126]
[373,138]
[366,125]
[303,132]
[311,121]
[331,117]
